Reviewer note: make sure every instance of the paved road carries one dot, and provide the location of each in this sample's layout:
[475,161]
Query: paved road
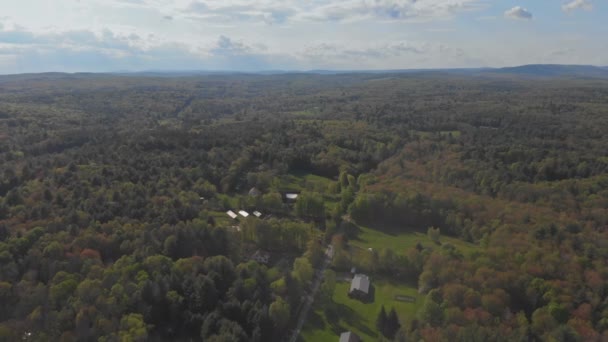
[329,254]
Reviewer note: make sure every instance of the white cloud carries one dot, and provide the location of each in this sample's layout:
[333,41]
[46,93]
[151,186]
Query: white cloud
[518,13]
[378,55]
[82,39]
[226,46]
[389,9]
[577,4]
[102,35]
[373,51]
[269,12]
[336,10]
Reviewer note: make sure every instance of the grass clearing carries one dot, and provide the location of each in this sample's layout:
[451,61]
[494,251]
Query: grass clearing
[352,314]
[427,135]
[402,241]
[305,113]
[302,181]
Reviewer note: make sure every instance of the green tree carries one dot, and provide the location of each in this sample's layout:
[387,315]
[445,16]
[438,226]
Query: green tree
[381,321]
[392,324]
[310,205]
[432,310]
[279,313]
[433,234]
[133,328]
[302,270]
[315,251]
[343,180]
[327,287]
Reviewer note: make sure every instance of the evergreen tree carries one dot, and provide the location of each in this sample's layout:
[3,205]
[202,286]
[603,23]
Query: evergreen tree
[381,321]
[392,324]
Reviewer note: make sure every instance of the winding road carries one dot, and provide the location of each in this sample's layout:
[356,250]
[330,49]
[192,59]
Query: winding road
[329,254]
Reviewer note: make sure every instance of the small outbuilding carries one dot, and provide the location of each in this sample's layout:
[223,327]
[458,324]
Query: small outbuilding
[243,213]
[349,336]
[231,214]
[254,192]
[257,214]
[290,196]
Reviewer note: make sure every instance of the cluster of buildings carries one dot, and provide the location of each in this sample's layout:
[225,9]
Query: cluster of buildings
[254,192]
[242,213]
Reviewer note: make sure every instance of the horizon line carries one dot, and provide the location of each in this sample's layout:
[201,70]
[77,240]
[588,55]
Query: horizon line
[298,71]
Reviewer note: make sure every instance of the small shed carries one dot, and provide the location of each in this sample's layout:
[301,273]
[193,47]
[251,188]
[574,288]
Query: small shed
[257,214]
[254,192]
[349,336]
[243,213]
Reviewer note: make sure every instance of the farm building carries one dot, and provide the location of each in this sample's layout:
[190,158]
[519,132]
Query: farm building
[359,287]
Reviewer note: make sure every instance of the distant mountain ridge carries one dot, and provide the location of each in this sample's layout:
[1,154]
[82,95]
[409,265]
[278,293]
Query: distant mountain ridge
[530,70]
[555,70]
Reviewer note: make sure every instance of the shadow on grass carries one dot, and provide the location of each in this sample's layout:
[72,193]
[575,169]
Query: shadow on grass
[315,320]
[407,281]
[338,313]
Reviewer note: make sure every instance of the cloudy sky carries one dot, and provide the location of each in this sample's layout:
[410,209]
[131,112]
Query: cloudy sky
[247,35]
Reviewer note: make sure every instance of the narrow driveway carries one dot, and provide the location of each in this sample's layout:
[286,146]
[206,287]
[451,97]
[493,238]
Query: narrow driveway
[329,254]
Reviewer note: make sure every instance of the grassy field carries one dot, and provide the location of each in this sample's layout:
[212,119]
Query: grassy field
[400,242]
[423,134]
[301,182]
[351,314]
[354,315]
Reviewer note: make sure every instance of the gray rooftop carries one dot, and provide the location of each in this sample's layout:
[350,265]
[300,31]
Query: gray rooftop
[360,282]
[349,336]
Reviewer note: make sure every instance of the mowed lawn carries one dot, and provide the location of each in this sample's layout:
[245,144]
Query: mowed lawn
[300,181]
[402,241]
[351,314]
[357,316]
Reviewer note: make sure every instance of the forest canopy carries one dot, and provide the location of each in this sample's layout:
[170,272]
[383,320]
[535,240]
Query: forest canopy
[114,192]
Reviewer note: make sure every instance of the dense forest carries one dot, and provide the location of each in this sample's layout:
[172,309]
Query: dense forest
[113,193]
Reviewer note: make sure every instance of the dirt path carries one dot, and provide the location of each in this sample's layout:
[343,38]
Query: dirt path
[329,254]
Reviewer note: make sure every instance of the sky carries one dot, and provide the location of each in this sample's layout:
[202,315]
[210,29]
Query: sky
[254,35]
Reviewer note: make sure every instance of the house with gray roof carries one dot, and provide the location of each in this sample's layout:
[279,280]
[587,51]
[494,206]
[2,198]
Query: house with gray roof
[359,287]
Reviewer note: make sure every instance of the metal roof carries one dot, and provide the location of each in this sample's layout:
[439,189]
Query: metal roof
[360,283]
[349,336]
